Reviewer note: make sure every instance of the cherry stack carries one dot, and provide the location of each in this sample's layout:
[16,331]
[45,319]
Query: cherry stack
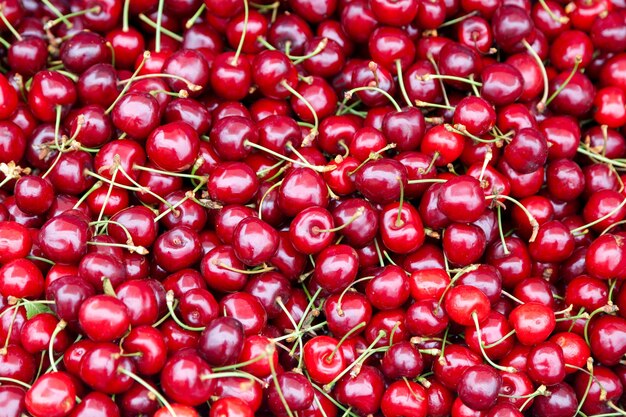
[312,208]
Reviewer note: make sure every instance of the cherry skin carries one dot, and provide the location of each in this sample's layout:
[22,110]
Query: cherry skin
[104,318]
[479,387]
[363,392]
[52,394]
[402,399]
[336,267]
[254,241]
[173,146]
[323,360]
[533,322]
[463,302]
[188,387]
[462,199]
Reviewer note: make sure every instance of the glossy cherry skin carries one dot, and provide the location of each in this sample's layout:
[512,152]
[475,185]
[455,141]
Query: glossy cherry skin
[560,403]
[554,243]
[346,314]
[187,387]
[177,248]
[221,341]
[533,322]
[247,309]
[479,387]
[336,267]
[606,339]
[52,395]
[104,318]
[527,151]
[457,360]
[462,199]
[323,367]
[296,390]
[49,89]
[9,98]
[363,392]
[173,146]
[99,369]
[404,234]
[254,241]
[546,364]
[21,278]
[380,181]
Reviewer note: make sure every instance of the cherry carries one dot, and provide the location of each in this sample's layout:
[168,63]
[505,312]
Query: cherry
[100,368]
[533,322]
[362,392]
[104,318]
[260,355]
[404,398]
[561,402]
[296,393]
[606,339]
[21,278]
[479,386]
[323,359]
[457,359]
[177,249]
[336,267]
[247,309]
[254,241]
[52,394]
[9,98]
[461,199]
[173,146]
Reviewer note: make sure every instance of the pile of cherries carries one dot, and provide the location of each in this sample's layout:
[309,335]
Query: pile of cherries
[312,208]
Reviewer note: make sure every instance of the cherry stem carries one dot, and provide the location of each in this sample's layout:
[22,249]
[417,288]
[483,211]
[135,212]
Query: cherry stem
[427,181]
[58,13]
[616,408]
[427,77]
[541,390]
[190,86]
[283,157]
[577,62]
[150,388]
[5,43]
[456,276]
[563,19]
[192,20]
[458,19]
[109,190]
[578,230]
[125,13]
[505,249]
[381,261]
[531,219]
[15,381]
[420,103]
[348,94]
[373,156]
[320,47]
[280,304]
[57,125]
[399,222]
[346,411]
[462,130]
[257,358]
[8,24]
[432,61]
[232,374]
[279,390]
[171,304]
[40,259]
[300,97]
[159,28]
[512,297]
[482,348]
[496,343]
[146,56]
[608,309]
[243,33]
[171,174]
[131,248]
[269,190]
[405,95]
[359,213]
[348,288]
[243,271]
[541,106]
[589,382]
[358,361]
[65,18]
[345,337]
[59,327]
